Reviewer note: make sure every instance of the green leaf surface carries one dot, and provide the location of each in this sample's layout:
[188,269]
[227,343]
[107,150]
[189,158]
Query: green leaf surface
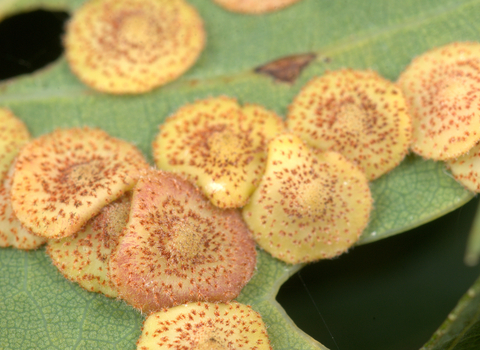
[39,309]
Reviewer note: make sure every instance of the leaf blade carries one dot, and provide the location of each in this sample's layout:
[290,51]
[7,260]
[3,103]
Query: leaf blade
[381,35]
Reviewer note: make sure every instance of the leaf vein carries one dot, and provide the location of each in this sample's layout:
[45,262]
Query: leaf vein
[34,301]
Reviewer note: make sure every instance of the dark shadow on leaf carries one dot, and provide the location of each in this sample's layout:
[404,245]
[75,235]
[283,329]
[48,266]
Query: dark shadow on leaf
[29,41]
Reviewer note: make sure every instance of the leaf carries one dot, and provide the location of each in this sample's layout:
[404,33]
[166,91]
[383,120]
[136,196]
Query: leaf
[414,193]
[472,253]
[39,309]
[461,330]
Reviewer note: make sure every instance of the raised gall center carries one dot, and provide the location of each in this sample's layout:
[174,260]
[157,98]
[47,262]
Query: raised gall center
[451,91]
[210,344]
[349,119]
[225,145]
[186,241]
[82,174]
[313,198]
[137,29]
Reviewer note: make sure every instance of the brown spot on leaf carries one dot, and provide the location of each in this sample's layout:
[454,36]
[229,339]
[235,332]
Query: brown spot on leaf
[286,69]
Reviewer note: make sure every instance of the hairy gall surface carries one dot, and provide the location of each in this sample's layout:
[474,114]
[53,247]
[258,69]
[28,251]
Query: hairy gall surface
[254,6]
[84,256]
[466,169]
[218,145]
[133,46]
[442,87]
[13,135]
[308,206]
[12,233]
[64,178]
[356,113]
[179,248]
[205,326]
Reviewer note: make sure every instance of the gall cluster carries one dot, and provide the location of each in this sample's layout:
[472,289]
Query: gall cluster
[178,242]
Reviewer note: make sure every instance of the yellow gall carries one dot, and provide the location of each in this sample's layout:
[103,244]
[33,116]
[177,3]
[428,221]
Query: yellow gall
[84,256]
[218,145]
[356,113]
[133,46]
[466,169]
[12,233]
[13,135]
[65,178]
[442,87]
[178,247]
[205,326]
[308,206]
[254,6]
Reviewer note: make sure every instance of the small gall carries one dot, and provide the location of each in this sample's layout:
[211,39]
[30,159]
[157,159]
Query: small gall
[177,247]
[223,326]
[308,206]
[442,87]
[466,169]
[13,135]
[356,113]
[133,46]
[12,233]
[65,178]
[218,145]
[254,6]
[84,256]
